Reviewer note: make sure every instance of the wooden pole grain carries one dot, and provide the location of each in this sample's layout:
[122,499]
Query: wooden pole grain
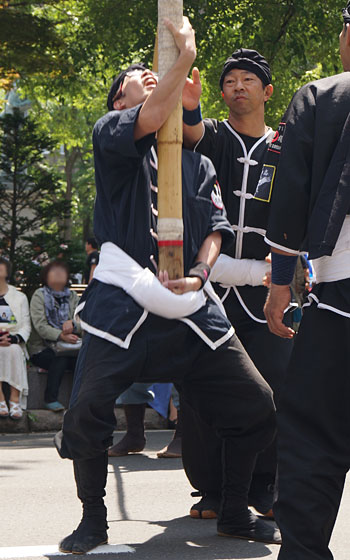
[170,224]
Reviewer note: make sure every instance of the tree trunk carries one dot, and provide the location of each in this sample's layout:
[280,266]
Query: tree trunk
[13,234]
[70,159]
[170,224]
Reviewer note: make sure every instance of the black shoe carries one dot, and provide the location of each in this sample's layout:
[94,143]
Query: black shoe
[250,527]
[207,508]
[130,443]
[262,499]
[86,537]
[90,476]
[134,440]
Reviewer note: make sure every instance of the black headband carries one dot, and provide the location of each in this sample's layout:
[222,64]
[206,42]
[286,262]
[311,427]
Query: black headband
[252,61]
[346,14]
[118,82]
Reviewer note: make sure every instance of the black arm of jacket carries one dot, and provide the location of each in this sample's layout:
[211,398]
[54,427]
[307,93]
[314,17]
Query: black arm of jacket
[314,122]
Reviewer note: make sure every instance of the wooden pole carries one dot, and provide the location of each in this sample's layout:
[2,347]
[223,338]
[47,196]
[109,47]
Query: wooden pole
[155,55]
[170,224]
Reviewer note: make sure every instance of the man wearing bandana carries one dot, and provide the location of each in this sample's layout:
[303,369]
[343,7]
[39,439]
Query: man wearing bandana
[141,326]
[237,146]
[310,211]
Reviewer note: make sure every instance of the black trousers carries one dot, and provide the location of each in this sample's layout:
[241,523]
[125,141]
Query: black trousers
[201,447]
[314,435]
[223,386]
[56,367]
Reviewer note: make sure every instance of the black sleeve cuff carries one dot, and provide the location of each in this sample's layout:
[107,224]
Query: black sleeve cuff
[200,270]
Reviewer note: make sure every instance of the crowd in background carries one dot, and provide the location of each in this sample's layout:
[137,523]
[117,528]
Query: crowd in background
[44,333]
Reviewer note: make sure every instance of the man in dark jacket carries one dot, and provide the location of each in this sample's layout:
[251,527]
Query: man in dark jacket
[237,146]
[310,211]
[137,330]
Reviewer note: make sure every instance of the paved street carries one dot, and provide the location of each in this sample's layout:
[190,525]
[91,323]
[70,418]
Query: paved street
[148,501]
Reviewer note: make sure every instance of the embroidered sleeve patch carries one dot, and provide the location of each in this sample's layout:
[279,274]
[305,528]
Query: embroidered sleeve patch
[216,197]
[264,189]
[276,142]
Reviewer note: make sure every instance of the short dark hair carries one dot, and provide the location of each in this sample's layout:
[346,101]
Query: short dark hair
[8,265]
[53,264]
[119,80]
[92,241]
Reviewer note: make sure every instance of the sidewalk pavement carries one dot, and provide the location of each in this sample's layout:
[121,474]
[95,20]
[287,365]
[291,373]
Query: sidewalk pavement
[148,501]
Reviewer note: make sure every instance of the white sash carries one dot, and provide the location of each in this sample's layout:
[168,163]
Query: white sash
[337,266]
[117,268]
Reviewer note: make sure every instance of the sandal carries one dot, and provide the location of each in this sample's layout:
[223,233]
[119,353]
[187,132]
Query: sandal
[16,411]
[4,411]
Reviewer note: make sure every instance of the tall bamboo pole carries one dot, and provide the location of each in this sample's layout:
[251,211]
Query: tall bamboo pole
[170,224]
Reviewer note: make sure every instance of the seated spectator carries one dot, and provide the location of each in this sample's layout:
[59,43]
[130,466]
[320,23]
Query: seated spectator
[55,342]
[14,332]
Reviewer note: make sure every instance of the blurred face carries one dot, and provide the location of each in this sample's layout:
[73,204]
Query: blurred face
[137,86]
[244,92]
[3,272]
[344,47]
[57,278]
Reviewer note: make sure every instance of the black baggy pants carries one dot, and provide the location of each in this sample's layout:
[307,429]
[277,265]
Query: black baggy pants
[314,435]
[201,447]
[222,386]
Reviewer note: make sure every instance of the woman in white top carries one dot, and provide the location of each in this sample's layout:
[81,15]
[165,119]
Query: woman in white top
[14,332]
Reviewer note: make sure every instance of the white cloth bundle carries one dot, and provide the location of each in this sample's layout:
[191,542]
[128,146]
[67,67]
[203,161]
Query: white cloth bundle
[117,268]
[239,272]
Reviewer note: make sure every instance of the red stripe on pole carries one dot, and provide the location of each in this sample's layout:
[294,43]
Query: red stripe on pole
[170,243]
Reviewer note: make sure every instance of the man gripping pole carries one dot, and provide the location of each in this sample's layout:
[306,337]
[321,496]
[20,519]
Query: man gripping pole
[144,328]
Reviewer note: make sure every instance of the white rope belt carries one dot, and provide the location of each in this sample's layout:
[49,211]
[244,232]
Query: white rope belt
[249,229]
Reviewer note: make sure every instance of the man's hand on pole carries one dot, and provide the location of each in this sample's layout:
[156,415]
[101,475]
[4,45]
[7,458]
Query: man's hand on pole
[181,285]
[184,38]
[165,97]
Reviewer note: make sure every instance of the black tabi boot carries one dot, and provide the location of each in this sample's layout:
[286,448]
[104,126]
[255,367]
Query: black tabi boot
[262,494]
[90,476]
[134,440]
[207,508]
[235,519]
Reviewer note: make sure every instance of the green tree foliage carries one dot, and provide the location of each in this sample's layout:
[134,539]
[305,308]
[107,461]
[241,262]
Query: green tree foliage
[67,52]
[27,186]
[298,37]
[30,40]
[87,42]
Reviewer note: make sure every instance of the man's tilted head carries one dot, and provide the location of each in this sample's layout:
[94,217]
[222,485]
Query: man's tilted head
[131,87]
